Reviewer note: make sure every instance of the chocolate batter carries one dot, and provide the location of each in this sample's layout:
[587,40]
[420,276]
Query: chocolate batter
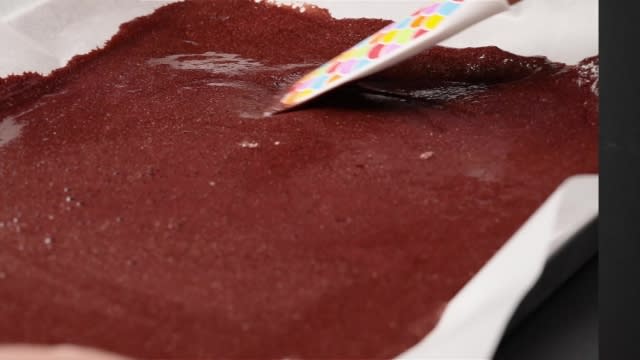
[148,207]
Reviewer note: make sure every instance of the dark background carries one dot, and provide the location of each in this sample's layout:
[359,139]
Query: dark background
[619,285]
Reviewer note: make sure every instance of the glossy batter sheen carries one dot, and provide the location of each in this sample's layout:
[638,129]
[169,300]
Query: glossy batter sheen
[149,209]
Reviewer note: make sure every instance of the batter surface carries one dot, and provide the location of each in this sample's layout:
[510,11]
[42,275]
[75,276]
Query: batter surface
[149,209]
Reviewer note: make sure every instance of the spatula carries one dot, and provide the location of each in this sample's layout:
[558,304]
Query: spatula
[426,27]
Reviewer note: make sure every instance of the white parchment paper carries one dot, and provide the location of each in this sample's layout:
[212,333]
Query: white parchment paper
[42,35]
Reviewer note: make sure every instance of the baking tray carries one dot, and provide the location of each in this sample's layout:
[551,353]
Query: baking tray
[578,250]
[530,266]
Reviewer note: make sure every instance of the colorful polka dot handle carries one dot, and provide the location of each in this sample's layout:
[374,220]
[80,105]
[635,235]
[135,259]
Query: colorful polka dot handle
[403,39]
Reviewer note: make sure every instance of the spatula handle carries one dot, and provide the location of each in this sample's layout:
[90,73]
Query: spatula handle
[436,21]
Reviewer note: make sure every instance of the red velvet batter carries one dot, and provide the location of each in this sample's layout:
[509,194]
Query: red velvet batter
[149,210]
